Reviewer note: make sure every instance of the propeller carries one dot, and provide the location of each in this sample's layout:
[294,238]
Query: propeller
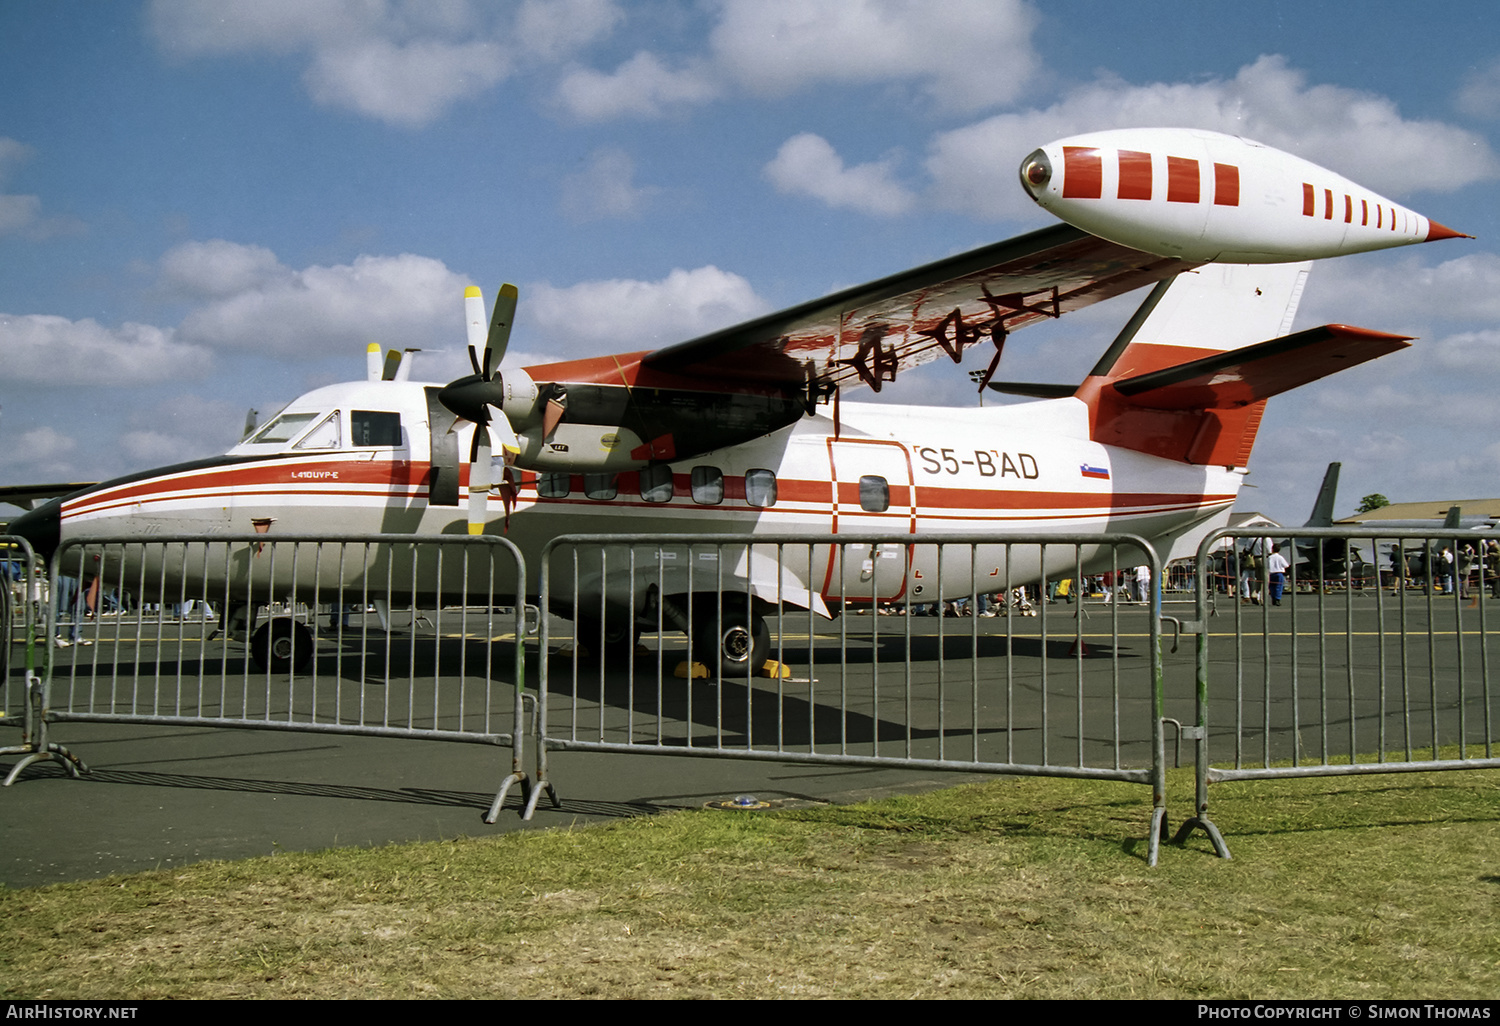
[478,397]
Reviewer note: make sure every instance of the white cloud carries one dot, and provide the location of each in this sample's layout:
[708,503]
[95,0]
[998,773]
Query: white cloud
[22,214]
[42,350]
[409,84]
[1357,134]
[605,188]
[625,315]
[641,87]
[12,153]
[1471,352]
[1405,295]
[965,55]
[157,448]
[192,27]
[43,445]
[1480,94]
[400,61]
[396,301]
[216,268]
[806,165]
[19,214]
[184,427]
[554,29]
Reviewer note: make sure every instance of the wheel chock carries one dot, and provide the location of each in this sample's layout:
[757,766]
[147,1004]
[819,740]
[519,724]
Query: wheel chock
[690,671]
[1080,648]
[776,671]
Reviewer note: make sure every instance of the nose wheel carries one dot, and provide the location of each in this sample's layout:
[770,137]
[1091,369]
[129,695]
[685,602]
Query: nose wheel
[281,645]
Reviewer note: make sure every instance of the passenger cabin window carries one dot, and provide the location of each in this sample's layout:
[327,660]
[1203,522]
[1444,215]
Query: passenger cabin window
[325,436]
[600,486]
[708,486]
[554,485]
[874,494]
[283,428]
[656,483]
[760,487]
[373,427]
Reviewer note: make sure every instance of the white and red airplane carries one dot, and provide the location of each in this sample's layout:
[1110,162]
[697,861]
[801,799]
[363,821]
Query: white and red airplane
[742,431]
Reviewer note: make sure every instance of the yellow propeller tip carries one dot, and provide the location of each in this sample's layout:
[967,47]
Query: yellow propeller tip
[472,290]
[476,528]
[373,347]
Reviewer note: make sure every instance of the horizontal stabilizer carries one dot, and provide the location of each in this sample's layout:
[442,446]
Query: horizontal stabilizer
[1247,375]
[1034,389]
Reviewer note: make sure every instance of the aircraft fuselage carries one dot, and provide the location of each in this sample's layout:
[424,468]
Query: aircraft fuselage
[356,459]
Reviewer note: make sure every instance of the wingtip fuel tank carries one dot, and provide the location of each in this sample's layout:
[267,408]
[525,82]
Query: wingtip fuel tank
[1204,196]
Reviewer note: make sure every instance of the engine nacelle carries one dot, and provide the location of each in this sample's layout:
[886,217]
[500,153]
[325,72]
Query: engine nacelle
[518,398]
[1204,196]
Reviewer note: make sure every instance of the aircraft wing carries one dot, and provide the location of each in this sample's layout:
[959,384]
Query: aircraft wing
[26,496]
[870,333]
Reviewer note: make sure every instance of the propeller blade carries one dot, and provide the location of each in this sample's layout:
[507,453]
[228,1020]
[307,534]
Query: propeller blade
[392,365]
[479,478]
[474,323]
[372,362]
[503,433]
[500,324]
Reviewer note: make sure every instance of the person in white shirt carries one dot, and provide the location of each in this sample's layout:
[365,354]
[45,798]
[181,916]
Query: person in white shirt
[1276,566]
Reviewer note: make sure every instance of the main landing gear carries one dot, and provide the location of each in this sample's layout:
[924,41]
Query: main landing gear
[280,645]
[728,637]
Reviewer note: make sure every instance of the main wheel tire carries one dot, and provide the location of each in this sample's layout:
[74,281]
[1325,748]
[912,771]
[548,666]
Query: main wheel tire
[281,646]
[731,639]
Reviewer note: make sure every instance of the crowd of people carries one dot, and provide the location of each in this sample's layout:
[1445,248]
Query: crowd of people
[1128,585]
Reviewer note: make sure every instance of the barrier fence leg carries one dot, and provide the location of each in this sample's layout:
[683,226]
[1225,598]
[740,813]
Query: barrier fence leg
[1199,736]
[34,745]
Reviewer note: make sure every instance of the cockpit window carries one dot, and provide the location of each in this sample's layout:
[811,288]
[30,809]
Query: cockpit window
[283,429]
[372,427]
[324,436]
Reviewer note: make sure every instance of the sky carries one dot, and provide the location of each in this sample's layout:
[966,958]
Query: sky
[210,207]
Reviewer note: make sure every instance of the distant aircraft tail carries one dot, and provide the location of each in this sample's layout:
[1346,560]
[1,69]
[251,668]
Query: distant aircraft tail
[1322,511]
[1188,377]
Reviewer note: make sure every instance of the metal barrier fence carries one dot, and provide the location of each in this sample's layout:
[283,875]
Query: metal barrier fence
[222,631]
[1345,671]
[18,606]
[876,685]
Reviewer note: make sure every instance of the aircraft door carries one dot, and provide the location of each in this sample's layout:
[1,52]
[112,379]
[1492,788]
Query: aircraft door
[871,492]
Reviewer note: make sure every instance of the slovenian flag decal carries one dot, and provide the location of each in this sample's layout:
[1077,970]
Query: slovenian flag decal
[1102,473]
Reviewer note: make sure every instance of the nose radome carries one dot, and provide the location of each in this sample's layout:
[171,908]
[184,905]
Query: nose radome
[41,527]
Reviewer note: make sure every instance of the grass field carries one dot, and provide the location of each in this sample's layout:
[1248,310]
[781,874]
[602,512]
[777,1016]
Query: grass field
[1367,888]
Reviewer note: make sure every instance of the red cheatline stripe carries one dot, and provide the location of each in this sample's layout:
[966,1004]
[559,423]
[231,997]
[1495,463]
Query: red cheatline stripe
[1348,209]
[1364,212]
[1308,204]
[1083,173]
[1135,175]
[1328,204]
[1182,180]
[1226,185]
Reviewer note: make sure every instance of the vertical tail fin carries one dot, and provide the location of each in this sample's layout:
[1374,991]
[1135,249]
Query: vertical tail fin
[1215,309]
